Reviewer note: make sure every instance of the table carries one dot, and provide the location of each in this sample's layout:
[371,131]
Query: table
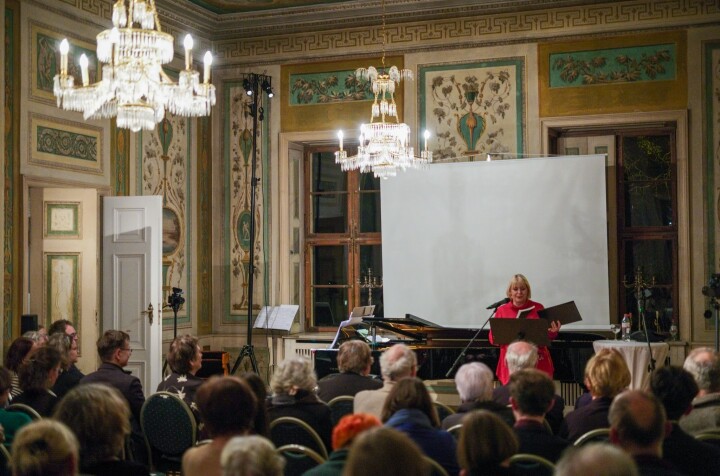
[637,357]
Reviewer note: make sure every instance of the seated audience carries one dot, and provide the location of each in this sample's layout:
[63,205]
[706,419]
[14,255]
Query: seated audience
[11,422]
[409,409]
[676,388]
[596,459]
[474,383]
[227,409]
[531,396]
[293,394]
[37,376]
[45,448]
[184,358]
[256,384]
[637,425]
[606,375]
[251,455]
[100,419]
[383,450]
[344,433]
[397,362]
[39,337]
[704,365]
[70,375]
[354,359]
[524,355]
[63,326]
[16,354]
[485,445]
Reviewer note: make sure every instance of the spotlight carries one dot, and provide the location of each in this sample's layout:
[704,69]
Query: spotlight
[248,87]
[267,88]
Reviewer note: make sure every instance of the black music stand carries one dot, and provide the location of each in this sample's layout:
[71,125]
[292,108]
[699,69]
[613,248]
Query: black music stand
[506,331]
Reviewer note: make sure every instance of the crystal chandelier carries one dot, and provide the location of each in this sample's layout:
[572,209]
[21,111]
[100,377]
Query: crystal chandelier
[134,88]
[384,143]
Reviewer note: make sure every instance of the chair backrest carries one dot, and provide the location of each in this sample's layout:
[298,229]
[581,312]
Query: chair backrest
[455,430]
[5,461]
[340,406]
[289,430]
[436,468]
[26,409]
[443,410]
[528,464]
[299,459]
[710,437]
[597,435]
[168,424]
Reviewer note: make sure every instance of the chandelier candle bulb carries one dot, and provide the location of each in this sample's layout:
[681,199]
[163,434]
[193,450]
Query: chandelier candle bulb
[84,69]
[208,59]
[64,49]
[188,43]
[340,138]
[426,134]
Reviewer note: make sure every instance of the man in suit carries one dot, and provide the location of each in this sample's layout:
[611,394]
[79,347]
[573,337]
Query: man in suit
[114,350]
[396,363]
[531,396]
[354,359]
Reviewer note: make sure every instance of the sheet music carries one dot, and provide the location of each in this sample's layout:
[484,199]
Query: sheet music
[522,313]
[278,317]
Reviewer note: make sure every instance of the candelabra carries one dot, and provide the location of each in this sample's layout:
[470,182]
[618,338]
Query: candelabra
[642,291]
[370,282]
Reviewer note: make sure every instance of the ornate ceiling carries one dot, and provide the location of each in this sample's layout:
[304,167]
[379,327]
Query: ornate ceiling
[246,6]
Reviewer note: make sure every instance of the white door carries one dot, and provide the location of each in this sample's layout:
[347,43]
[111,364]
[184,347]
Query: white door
[132,265]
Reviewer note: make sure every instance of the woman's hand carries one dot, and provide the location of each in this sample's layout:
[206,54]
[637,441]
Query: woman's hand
[554,326]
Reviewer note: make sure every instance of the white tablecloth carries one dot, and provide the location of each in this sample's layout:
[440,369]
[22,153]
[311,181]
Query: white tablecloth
[637,357]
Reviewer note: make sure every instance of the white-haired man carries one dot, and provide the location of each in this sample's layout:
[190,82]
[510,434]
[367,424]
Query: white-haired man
[704,365]
[396,363]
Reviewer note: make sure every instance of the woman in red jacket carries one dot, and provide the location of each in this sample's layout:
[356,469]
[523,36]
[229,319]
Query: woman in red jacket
[519,293]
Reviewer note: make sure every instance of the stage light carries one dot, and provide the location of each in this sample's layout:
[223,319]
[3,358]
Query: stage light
[248,87]
[267,88]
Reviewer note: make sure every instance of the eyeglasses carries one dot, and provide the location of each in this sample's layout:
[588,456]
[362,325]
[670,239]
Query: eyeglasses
[73,336]
[129,350]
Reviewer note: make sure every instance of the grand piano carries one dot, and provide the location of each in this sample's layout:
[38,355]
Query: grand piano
[438,347]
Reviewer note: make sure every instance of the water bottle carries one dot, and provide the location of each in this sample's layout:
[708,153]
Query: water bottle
[673,331]
[626,327]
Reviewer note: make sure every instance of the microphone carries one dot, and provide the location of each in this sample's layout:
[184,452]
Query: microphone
[496,305]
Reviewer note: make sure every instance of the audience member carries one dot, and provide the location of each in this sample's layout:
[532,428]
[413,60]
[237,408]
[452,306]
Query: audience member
[37,376]
[227,409]
[114,350]
[11,422]
[45,448]
[17,353]
[63,326]
[354,359]
[251,455]
[704,365]
[39,338]
[409,409]
[383,451]
[485,445]
[474,383]
[344,433]
[606,375]
[524,355]
[531,396]
[70,375]
[293,394]
[637,425]
[398,362]
[100,419]
[256,384]
[184,358]
[596,459]
[676,388]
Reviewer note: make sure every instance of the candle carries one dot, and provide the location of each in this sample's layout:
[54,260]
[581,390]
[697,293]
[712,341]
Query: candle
[427,136]
[340,137]
[84,69]
[188,50]
[208,61]
[64,49]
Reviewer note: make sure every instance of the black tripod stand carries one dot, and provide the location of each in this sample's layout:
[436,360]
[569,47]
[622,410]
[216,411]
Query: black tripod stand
[175,302]
[254,84]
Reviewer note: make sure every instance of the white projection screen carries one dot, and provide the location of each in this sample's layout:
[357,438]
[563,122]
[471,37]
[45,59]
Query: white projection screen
[454,234]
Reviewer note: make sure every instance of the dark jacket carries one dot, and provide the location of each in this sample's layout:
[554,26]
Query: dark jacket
[42,401]
[536,439]
[592,416]
[503,411]
[67,381]
[689,455]
[346,383]
[183,385]
[116,468]
[307,407]
[554,417]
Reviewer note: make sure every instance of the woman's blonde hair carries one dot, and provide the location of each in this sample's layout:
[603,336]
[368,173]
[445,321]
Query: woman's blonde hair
[293,372]
[519,279]
[251,456]
[606,373]
[44,448]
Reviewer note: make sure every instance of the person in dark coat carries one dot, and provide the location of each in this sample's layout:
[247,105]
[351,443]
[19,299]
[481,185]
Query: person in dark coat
[114,350]
[474,383]
[354,359]
[184,358]
[37,376]
[293,394]
[606,375]
[531,396]
[70,375]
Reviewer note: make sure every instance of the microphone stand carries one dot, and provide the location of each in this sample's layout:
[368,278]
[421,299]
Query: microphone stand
[464,351]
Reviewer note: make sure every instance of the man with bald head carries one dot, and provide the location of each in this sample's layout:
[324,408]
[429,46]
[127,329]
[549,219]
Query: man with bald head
[396,363]
[638,425]
[704,365]
[522,355]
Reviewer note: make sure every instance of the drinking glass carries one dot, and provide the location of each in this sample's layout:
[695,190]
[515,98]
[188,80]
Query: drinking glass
[615,329]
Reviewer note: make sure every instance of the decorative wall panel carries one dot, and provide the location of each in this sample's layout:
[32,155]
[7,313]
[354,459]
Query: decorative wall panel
[62,286]
[204,225]
[62,220]
[711,68]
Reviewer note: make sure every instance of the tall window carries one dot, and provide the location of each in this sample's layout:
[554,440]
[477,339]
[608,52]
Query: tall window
[342,240]
[647,224]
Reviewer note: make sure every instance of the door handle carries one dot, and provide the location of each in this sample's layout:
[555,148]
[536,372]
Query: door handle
[149,312]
